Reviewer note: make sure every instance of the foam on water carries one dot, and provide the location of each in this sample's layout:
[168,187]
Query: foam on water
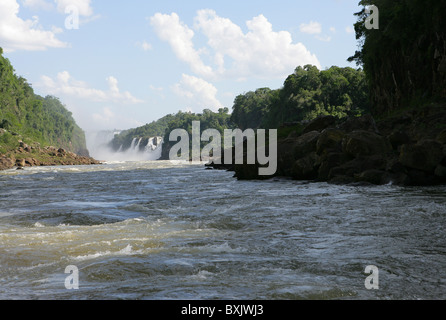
[157,230]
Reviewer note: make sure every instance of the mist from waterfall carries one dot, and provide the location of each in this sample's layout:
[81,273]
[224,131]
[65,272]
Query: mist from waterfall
[98,144]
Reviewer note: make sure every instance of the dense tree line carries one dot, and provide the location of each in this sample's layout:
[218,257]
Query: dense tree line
[305,95]
[405,58]
[38,119]
[182,120]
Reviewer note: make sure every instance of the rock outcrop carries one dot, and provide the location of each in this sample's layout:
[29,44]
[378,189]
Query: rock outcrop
[407,149]
[30,156]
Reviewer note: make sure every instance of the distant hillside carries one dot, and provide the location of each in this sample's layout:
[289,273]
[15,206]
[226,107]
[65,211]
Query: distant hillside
[163,127]
[28,117]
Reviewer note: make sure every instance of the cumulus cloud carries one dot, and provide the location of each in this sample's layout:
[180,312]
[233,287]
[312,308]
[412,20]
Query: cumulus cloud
[66,85]
[261,52]
[170,29]
[198,92]
[19,34]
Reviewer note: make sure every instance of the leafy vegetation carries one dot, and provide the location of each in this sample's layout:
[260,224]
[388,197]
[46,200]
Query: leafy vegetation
[405,59]
[305,95]
[30,117]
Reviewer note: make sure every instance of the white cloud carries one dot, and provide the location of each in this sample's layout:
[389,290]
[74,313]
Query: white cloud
[19,34]
[37,4]
[311,28]
[169,28]
[324,38]
[66,85]
[198,92]
[83,6]
[261,52]
[333,29]
[106,117]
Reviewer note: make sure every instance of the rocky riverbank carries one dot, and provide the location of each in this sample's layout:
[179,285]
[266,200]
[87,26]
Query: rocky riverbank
[404,149]
[33,155]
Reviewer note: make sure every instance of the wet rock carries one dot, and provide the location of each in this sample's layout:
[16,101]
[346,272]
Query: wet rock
[421,178]
[425,155]
[374,176]
[329,161]
[341,179]
[306,168]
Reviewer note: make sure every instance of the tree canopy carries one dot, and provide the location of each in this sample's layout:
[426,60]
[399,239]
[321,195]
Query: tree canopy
[405,59]
[305,95]
[40,119]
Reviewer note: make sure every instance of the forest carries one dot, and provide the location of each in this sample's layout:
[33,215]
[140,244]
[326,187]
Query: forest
[27,116]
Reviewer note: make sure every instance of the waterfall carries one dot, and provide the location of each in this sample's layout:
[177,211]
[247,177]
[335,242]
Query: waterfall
[98,144]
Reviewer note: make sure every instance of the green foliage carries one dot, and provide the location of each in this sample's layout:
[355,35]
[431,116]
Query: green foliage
[42,120]
[305,95]
[405,59]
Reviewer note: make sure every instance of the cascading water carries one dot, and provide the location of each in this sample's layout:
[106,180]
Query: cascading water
[98,144]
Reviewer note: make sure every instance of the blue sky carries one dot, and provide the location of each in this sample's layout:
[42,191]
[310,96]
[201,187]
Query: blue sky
[128,63]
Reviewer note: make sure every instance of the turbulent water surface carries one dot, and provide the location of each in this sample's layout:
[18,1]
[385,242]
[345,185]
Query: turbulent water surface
[154,230]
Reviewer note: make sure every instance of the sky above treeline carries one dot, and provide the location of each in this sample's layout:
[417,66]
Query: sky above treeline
[121,64]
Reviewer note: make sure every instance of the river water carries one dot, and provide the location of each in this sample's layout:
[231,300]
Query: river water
[157,230]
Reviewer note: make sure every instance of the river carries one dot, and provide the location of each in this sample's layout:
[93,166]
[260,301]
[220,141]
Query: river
[156,230]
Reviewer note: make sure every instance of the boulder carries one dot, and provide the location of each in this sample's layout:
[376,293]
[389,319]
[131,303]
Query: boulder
[285,155]
[398,138]
[365,143]
[330,140]
[424,156]
[365,122]
[306,168]
[329,161]
[440,171]
[305,144]
[6,163]
[20,162]
[374,176]
[319,124]
[441,137]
